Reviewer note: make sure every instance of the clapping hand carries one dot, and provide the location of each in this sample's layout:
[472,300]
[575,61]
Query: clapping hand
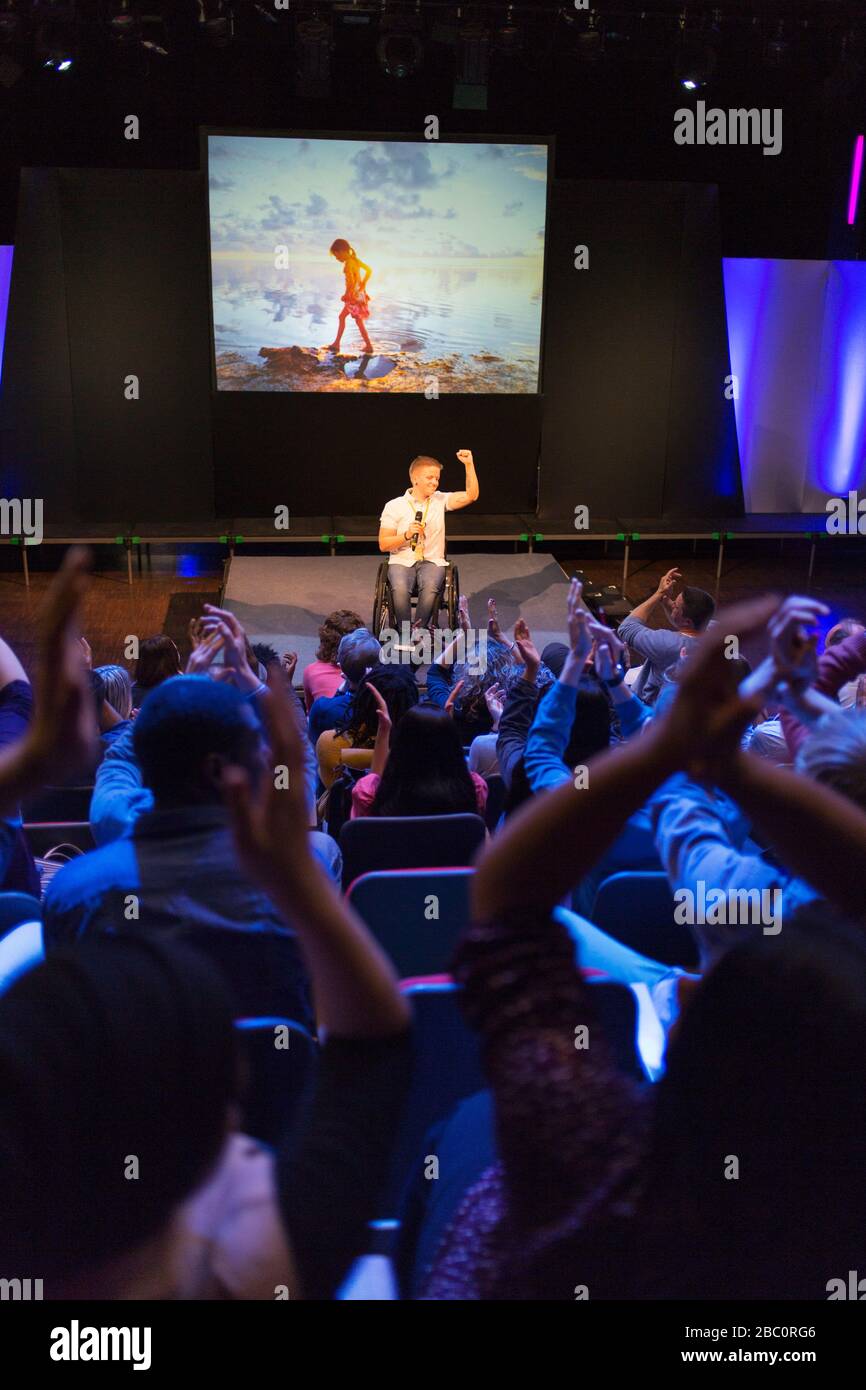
[494,632]
[204,651]
[527,649]
[237,668]
[455,691]
[703,726]
[63,737]
[494,699]
[609,650]
[270,820]
[792,645]
[579,635]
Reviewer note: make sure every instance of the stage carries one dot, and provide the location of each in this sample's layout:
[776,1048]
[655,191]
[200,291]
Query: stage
[282,600]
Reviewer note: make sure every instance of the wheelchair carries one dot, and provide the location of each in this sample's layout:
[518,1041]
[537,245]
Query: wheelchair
[383,603]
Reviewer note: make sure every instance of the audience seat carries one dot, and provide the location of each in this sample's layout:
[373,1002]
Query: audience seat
[617,1012]
[637,908]
[447,1068]
[16,908]
[408,842]
[60,804]
[496,794]
[20,949]
[43,836]
[395,904]
[277,1076]
[260,968]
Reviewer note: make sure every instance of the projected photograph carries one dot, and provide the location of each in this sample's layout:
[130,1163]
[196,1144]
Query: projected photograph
[358,265]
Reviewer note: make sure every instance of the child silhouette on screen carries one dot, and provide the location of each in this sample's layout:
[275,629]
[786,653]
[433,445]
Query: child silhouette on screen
[355,301]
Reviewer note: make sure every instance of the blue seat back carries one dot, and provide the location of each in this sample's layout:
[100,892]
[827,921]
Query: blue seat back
[280,1060]
[416,915]
[637,908]
[408,842]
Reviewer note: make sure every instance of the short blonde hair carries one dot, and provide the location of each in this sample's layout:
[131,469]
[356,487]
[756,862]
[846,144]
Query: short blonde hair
[423,461]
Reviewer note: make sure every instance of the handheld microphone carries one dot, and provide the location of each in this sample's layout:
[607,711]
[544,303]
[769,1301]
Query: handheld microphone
[416,544]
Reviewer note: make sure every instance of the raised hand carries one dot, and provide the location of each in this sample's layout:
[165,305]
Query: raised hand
[463,613]
[204,652]
[609,650]
[455,691]
[195,633]
[705,722]
[668,582]
[465,457]
[270,820]
[86,653]
[527,650]
[237,668]
[494,699]
[290,661]
[792,644]
[493,629]
[63,737]
[579,635]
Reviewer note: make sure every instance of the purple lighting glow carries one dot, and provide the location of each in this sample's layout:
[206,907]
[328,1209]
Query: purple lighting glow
[5,278]
[856,171]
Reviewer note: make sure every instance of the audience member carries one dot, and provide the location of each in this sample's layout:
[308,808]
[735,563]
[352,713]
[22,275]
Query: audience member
[421,771]
[621,1193]
[158,659]
[358,653]
[324,676]
[352,739]
[660,648]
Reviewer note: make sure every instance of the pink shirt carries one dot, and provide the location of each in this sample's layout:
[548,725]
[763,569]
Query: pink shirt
[321,678]
[366,787]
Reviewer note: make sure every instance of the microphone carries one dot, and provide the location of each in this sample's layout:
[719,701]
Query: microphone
[416,544]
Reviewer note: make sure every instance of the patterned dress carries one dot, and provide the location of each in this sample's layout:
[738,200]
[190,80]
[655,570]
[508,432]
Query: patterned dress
[570,1127]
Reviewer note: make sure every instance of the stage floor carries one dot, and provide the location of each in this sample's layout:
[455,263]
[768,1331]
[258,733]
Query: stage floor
[282,600]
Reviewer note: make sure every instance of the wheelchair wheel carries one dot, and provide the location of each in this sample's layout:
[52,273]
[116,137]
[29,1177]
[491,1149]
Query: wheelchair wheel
[382,604]
[451,596]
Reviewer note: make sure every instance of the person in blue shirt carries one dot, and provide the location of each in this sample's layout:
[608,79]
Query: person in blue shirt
[170,861]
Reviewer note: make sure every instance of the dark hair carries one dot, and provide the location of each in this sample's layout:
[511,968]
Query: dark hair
[398,689]
[335,626]
[341,245]
[426,772]
[110,1050]
[181,723]
[158,659]
[265,654]
[768,1066]
[698,606]
[590,733]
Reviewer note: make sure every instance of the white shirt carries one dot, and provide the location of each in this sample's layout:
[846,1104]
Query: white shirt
[398,516]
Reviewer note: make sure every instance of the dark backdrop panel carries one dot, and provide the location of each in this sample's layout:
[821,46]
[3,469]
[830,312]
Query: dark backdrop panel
[702,475]
[344,455]
[633,388]
[37,446]
[137,299]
